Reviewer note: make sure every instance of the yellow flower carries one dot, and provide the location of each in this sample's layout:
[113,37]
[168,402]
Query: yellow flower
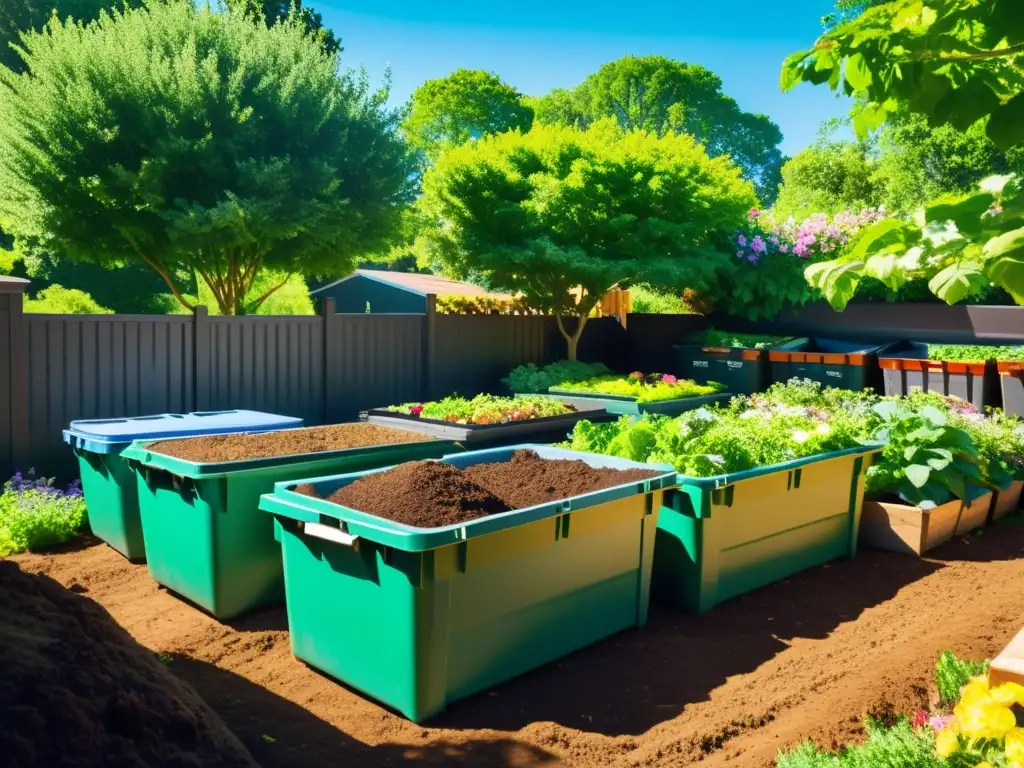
[984,719]
[946,743]
[985,764]
[1008,694]
[1015,745]
[976,690]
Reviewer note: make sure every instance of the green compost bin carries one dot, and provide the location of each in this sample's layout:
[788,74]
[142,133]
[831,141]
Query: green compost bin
[832,362]
[719,537]
[207,540]
[108,482]
[417,618]
[742,370]
[621,405]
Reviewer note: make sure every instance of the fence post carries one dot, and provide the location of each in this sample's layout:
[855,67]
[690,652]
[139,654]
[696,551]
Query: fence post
[201,357]
[328,312]
[429,346]
[15,439]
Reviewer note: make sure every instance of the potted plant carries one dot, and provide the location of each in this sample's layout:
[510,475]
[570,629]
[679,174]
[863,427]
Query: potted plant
[928,483]
[640,393]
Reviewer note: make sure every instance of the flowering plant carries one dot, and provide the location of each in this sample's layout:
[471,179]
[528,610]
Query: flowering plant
[644,388]
[485,409]
[983,730]
[34,513]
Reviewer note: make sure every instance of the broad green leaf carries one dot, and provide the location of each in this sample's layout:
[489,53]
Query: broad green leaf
[958,281]
[941,452]
[1006,126]
[791,71]
[938,464]
[1005,256]
[918,474]
[840,284]
[882,266]
[883,236]
[965,211]
[964,106]
[934,415]
[857,73]
[868,118]
[909,452]
[886,410]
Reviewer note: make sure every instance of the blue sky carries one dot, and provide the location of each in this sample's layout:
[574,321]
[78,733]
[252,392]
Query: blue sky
[537,45]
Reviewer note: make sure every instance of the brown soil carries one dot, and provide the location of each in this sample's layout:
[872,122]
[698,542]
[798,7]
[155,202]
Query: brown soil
[218,448]
[430,494]
[805,658]
[77,690]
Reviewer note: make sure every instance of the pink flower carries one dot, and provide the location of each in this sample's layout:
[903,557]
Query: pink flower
[938,722]
[800,249]
[774,240]
[757,244]
[784,248]
[753,214]
[742,241]
[668,378]
[416,410]
[637,375]
[920,719]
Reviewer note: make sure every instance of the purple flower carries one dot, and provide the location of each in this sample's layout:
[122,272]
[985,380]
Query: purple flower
[753,258]
[938,722]
[757,244]
[783,248]
[800,250]
[742,241]
[774,240]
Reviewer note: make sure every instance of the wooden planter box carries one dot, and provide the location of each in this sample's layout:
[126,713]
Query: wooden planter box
[1006,502]
[903,528]
[1008,666]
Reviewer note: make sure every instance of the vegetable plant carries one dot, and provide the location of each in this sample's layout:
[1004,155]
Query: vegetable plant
[644,388]
[532,378]
[35,514]
[926,461]
[974,353]
[485,409]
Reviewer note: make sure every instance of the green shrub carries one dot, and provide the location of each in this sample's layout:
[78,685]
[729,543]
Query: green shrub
[647,300]
[58,300]
[952,674]
[34,514]
[533,379]
[898,746]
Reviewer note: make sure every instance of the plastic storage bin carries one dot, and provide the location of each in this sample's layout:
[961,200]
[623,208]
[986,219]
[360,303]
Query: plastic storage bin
[740,370]
[207,539]
[906,369]
[722,536]
[109,483]
[417,618]
[834,363]
[1011,382]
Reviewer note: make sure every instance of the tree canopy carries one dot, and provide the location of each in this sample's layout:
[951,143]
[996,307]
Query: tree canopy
[198,142]
[17,16]
[557,209]
[658,94]
[828,177]
[273,12]
[465,105]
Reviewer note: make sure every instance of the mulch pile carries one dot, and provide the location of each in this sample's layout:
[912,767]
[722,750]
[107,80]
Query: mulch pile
[77,690]
[217,448]
[431,494]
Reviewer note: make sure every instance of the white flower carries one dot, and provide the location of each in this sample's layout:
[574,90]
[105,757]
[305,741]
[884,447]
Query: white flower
[823,429]
[703,414]
[799,436]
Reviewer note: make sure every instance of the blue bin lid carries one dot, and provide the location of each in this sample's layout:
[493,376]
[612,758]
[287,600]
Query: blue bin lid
[111,435]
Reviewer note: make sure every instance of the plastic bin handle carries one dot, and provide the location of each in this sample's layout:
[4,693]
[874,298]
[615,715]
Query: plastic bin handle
[329,533]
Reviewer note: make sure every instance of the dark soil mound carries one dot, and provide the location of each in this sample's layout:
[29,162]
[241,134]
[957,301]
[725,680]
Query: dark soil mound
[430,494]
[76,690]
[528,480]
[425,494]
[292,442]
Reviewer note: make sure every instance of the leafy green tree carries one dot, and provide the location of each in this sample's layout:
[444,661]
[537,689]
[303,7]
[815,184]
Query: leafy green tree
[17,16]
[561,215]
[275,11]
[828,177]
[655,93]
[198,142]
[467,104]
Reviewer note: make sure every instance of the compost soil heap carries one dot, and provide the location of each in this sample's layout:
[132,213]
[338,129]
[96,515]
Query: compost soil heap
[76,690]
[213,449]
[431,494]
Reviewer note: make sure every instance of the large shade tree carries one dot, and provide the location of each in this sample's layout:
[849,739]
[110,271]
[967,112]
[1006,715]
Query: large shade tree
[200,143]
[561,215]
[465,105]
[658,94]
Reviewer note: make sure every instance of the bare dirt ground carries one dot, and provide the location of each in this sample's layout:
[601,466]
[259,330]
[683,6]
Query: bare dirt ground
[806,658]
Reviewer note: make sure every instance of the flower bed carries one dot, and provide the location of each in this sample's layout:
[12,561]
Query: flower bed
[639,387]
[475,569]
[35,514]
[484,409]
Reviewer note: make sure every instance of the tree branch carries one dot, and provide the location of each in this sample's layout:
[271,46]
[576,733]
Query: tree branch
[258,302]
[165,274]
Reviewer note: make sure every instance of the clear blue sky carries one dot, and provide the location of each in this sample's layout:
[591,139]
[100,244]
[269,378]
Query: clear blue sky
[537,45]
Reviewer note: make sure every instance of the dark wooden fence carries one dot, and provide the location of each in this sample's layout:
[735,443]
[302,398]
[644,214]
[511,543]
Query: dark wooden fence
[57,368]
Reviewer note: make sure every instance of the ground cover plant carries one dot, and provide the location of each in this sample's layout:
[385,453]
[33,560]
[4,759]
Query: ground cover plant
[644,388]
[35,514]
[790,421]
[485,409]
[533,379]
[974,353]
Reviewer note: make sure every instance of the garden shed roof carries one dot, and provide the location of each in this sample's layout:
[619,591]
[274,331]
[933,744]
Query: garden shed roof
[420,284]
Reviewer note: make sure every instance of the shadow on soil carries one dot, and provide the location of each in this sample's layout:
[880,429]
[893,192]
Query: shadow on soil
[280,733]
[1003,540]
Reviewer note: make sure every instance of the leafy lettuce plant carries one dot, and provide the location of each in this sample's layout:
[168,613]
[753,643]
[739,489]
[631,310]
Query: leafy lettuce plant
[926,461]
[644,388]
[716,338]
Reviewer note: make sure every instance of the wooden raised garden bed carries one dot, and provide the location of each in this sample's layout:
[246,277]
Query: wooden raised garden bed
[898,527]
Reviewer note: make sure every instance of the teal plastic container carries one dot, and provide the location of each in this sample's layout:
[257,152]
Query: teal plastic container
[206,538]
[629,406]
[417,618]
[719,537]
[108,483]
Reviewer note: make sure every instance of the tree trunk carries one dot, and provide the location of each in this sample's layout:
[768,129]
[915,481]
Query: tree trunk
[572,341]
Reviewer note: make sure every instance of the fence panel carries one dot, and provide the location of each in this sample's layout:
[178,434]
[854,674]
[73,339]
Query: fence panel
[651,338]
[272,364]
[6,404]
[373,360]
[101,366]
